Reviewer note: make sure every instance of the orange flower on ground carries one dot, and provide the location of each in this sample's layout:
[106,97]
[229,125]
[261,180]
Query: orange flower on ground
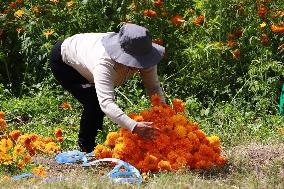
[164,165]
[156,100]
[2,115]
[277,29]
[15,134]
[237,53]
[178,105]
[3,122]
[199,20]
[21,164]
[150,13]
[39,171]
[177,20]
[58,132]
[65,106]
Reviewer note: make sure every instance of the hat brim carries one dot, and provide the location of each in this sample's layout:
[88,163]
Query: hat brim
[116,53]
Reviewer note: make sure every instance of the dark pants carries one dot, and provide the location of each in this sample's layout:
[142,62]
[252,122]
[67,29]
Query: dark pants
[72,81]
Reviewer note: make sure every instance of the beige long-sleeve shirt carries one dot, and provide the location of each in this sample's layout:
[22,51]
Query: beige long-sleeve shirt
[86,54]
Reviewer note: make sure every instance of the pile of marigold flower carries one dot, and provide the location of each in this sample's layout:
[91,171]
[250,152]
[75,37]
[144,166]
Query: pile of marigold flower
[17,149]
[180,144]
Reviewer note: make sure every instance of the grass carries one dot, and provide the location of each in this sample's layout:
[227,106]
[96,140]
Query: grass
[251,165]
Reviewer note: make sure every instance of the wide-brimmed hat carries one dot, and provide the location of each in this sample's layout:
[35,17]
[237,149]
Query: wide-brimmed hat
[132,46]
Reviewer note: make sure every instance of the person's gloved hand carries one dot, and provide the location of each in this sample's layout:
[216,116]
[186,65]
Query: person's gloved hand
[146,131]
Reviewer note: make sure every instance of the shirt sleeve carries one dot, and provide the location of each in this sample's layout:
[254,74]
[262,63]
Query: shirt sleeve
[103,79]
[151,82]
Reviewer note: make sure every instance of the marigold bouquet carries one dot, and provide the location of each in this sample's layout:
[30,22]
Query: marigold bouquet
[180,144]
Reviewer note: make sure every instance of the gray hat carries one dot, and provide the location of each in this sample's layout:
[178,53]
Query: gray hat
[133,47]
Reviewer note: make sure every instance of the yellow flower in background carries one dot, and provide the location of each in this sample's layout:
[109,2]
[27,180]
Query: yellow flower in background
[6,144]
[54,1]
[70,4]
[280,130]
[263,24]
[48,32]
[18,150]
[19,13]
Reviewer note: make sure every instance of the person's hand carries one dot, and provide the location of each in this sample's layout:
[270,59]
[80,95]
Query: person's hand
[146,131]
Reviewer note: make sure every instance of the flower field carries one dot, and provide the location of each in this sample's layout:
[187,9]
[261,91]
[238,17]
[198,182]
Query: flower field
[222,74]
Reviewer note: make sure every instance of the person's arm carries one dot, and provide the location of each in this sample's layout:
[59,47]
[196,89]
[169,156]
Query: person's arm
[103,79]
[151,82]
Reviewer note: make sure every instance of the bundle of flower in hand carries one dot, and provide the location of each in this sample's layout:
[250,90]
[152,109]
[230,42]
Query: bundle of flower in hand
[17,148]
[180,143]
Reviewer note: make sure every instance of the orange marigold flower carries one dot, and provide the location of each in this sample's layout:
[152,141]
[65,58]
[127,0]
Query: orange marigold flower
[221,160]
[13,5]
[158,41]
[20,1]
[232,43]
[2,122]
[264,39]
[15,134]
[18,150]
[2,115]
[19,13]
[54,1]
[65,106]
[177,20]
[214,140]
[180,131]
[21,164]
[237,53]
[164,165]
[47,140]
[178,105]
[277,29]
[158,3]
[150,13]
[60,139]
[199,20]
[58,132]
[39,171]
[156,100]
[262,12]
[27,158]
[111,138]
